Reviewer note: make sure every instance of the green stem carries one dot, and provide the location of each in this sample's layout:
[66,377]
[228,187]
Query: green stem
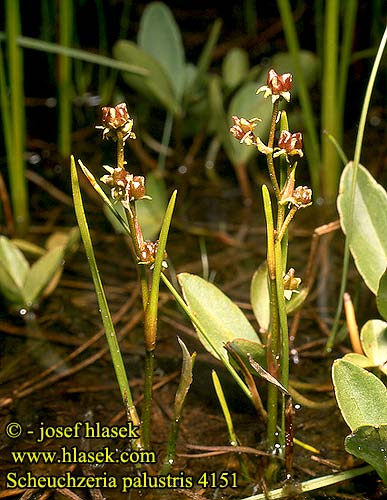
[286,223]
[311,137]
[16,164]
[66,21]
[82,55]
[356,161]
[147,405]
[102,302]
[349,22]
[329,112]
[312,484]
[284,362]
[269,156]
[273,337]
[150,323]
[181,394]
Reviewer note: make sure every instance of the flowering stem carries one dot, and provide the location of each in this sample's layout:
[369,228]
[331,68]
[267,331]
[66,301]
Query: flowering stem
[120,149]
[286,223]
[150,323]
[269,156]
[273,337]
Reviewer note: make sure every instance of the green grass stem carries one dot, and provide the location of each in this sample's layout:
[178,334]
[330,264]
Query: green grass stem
[102,303]
[16,116]
[356,161]
[181,394]
[82,55]
[330,120]
[273,338]
[66,22]
[311,140]
[311,485]
[226,412]
[151,315]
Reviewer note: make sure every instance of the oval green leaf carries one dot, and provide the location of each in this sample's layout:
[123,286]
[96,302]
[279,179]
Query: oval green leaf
[381,297]
[155,85]
[369,443]
[245,348]
[13,272]
[373,338]
[260,296]
[367,234]
[361,396]
[41,273]
[159,35]
[235,67]
[220,319]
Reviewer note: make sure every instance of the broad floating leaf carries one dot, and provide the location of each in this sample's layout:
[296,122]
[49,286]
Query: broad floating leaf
[155,84]
[221,320]
[235,67]
[13,265]
[260,296]
[374,342]
[247,348]
[159,36]
[361,396]
[370,444]
[41,273]
[381,297]
[367,234]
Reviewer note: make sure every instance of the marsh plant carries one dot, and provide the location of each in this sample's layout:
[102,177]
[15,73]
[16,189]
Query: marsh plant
[227,334]
[128,189]
[221,326]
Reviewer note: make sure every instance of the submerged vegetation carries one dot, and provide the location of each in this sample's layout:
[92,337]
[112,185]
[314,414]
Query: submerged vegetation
[239,350]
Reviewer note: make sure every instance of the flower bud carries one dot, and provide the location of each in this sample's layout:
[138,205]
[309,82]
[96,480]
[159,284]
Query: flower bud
[291,143]
[117,181]
[243,130]
[302,196]
[148,252]
[116,119]
[291,283]
[277,86]
[137,188]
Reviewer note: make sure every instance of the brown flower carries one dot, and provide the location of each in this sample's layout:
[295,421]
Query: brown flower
[243,130]
[116,119]
[277,86]
[291,283]
[148,252]
[302,196]
[289,144]
[124,186]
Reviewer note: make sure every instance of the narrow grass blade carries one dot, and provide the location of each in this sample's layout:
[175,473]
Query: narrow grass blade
[181,394]
[311,485]
[16,163]
[102,302]
[356,161]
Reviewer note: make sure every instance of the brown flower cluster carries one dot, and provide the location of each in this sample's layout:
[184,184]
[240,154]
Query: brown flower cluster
[116,119]
[277,86]
[124,186]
